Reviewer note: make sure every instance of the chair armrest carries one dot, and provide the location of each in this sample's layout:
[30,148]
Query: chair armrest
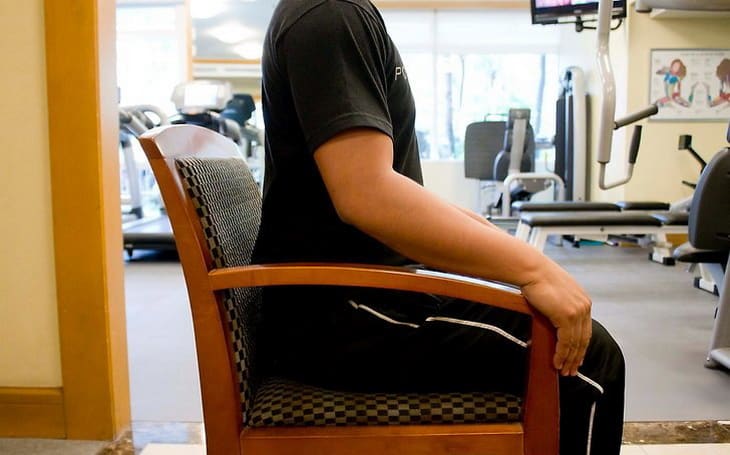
[386,277]
[541,405]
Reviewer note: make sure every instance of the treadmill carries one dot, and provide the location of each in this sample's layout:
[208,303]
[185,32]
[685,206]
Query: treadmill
[140,230]
[207,103]
[148,234]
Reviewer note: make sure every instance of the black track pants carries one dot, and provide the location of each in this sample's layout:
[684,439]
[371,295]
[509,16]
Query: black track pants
[374,341]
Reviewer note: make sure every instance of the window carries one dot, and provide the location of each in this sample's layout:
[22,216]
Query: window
[151,53]
[468,66]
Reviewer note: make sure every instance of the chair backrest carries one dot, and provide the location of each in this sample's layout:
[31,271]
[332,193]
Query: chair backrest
[214,206]
[709,215]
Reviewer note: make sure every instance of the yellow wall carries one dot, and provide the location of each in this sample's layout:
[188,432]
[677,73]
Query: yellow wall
[661,167]
[29,341]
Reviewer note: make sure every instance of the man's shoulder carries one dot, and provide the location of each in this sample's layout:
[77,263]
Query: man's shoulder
[290,12]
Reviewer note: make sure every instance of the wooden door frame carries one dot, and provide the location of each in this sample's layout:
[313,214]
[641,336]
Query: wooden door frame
[83,141]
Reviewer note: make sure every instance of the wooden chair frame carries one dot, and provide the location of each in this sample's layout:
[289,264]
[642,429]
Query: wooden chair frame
[225,433]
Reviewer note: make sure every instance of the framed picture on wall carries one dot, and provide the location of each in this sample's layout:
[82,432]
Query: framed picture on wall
[690,84]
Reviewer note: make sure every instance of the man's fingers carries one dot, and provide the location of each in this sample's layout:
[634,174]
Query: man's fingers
[586,339]
[575,332]
[562,349]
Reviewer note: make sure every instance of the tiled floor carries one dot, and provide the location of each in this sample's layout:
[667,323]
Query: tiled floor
[663,449]
[691,438]
[171,449]
[659,449]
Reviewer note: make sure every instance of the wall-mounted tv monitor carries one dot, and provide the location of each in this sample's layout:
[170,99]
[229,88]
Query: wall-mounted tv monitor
[556,11]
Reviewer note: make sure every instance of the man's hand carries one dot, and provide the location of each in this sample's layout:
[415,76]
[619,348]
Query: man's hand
[556,295]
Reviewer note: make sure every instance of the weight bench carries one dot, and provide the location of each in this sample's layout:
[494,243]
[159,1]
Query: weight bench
[535,227]
[586,206]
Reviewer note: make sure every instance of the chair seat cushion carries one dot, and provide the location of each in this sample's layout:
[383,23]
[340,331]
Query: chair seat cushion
[281,402]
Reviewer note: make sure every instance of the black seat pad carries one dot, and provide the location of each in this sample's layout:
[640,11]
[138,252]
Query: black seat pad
[588,219]
[642,205]
[687,253]
[672,218]
[569,206]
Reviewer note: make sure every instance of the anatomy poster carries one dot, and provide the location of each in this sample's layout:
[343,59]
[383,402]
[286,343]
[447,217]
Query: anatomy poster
[691,84]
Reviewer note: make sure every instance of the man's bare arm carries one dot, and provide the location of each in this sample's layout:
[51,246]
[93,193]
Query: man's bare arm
[411,220]
[477,217]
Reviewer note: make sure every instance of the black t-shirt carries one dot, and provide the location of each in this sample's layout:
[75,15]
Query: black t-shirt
[328,66]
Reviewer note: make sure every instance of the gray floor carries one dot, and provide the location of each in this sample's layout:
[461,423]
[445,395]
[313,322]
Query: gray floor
[662,323]
[164,382]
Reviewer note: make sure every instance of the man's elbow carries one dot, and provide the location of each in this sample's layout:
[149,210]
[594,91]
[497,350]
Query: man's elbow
[347,210]
[354,207]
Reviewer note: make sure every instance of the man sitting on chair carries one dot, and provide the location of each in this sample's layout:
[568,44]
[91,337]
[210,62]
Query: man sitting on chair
[343,184]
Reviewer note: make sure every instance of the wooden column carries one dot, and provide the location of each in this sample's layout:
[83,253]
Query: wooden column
[83,130]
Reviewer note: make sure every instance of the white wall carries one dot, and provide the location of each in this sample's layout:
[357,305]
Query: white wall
[29,339]
[446,178]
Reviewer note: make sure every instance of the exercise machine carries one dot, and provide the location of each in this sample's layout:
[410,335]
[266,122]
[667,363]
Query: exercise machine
[709,243]
[213,105]
[571,138]
[149,228]
[207,103]
[503,154]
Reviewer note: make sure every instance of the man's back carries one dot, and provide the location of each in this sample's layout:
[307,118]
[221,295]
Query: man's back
[328,66]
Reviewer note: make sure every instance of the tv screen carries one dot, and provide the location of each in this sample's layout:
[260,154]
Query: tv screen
[555,11]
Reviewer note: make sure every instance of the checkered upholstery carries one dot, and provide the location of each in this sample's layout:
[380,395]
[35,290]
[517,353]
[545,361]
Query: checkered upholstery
[228,203]
[280,402]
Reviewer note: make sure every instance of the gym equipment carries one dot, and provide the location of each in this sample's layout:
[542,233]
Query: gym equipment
[128,124]
[508,164]
[212,104]
[709,239]
[685,143]
[535,227]
[608,105]
[200,102]
[571,139]
[585,206]
[206,103]
[146,231]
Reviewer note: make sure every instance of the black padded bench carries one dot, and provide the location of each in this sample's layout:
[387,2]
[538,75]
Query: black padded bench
[586,206]
[535,227]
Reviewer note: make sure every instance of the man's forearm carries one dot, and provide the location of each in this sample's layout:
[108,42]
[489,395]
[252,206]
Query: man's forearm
[476,216]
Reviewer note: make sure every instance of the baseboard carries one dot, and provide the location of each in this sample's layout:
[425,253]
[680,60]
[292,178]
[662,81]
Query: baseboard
[32,412]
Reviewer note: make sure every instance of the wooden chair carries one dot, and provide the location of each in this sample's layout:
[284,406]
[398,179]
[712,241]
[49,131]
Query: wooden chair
[214,208]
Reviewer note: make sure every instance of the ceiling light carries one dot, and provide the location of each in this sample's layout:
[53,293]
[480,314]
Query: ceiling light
[250,50]
[206,9]
[233,32]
